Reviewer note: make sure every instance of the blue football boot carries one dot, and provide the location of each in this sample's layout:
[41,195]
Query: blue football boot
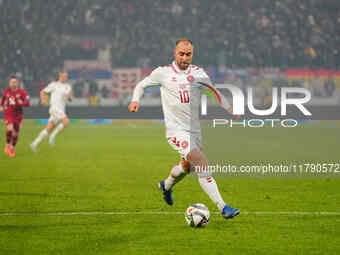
[167,194]
[229,212]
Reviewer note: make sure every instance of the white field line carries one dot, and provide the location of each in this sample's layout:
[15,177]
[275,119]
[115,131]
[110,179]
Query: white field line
[288,213]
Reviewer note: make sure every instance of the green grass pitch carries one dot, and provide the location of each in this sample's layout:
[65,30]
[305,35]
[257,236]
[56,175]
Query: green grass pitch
[111,171]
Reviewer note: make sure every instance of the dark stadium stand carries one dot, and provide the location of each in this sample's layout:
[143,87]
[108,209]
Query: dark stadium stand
[36,38]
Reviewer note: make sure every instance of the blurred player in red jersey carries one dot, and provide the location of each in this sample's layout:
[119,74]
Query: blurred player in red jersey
[12,101]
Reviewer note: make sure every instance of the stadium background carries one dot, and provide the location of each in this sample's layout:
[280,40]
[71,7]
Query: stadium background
[108,46]
[95,191]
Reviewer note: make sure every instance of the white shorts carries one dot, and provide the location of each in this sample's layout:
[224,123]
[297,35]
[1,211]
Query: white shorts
[56,116]
[184,142]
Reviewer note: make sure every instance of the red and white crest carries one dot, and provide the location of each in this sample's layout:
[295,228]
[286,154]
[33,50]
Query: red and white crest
[190,78]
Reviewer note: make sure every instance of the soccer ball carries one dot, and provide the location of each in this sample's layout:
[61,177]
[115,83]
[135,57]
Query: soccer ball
[197,215]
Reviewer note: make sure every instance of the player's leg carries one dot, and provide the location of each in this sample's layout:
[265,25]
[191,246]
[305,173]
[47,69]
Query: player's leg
[180,143]
[14,140]
[64,123]
[199,163]
[9,129]
[207,182]
[15,127]
[44,133]
[177,173]
[15,135]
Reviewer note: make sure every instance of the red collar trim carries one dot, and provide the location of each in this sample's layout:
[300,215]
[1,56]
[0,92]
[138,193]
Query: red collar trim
[173,68]
[188,71]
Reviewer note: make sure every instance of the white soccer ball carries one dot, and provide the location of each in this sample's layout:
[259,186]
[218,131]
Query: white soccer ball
[197,215]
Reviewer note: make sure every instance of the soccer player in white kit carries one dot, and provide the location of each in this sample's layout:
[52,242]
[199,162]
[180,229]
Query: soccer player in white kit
[60,92]
[181,84]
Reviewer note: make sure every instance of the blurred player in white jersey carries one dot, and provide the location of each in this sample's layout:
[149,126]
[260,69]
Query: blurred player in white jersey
[181,84]
[60,92]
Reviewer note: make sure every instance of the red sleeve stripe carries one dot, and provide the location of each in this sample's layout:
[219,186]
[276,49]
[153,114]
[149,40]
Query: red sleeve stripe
[213,90]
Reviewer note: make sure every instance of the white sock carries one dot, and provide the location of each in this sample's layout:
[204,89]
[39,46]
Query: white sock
[40,137]
[209,185]
[177,173]
[56,131]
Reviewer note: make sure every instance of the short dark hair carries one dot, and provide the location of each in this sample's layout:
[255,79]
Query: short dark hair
[184,39]
[14,77]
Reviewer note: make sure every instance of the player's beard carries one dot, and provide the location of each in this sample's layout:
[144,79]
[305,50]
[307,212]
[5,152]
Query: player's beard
[183,65]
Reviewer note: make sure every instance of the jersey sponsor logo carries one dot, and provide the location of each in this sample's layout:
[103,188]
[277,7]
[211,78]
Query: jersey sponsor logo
[174,79]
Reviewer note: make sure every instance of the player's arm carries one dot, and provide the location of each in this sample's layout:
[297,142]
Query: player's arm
[209,89]
[44,92]
[69,96]
[2,102]
[43,97]
[25,100]
[153,79]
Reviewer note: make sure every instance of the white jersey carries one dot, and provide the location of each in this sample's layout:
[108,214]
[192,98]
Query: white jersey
[59,93]
[180,94]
